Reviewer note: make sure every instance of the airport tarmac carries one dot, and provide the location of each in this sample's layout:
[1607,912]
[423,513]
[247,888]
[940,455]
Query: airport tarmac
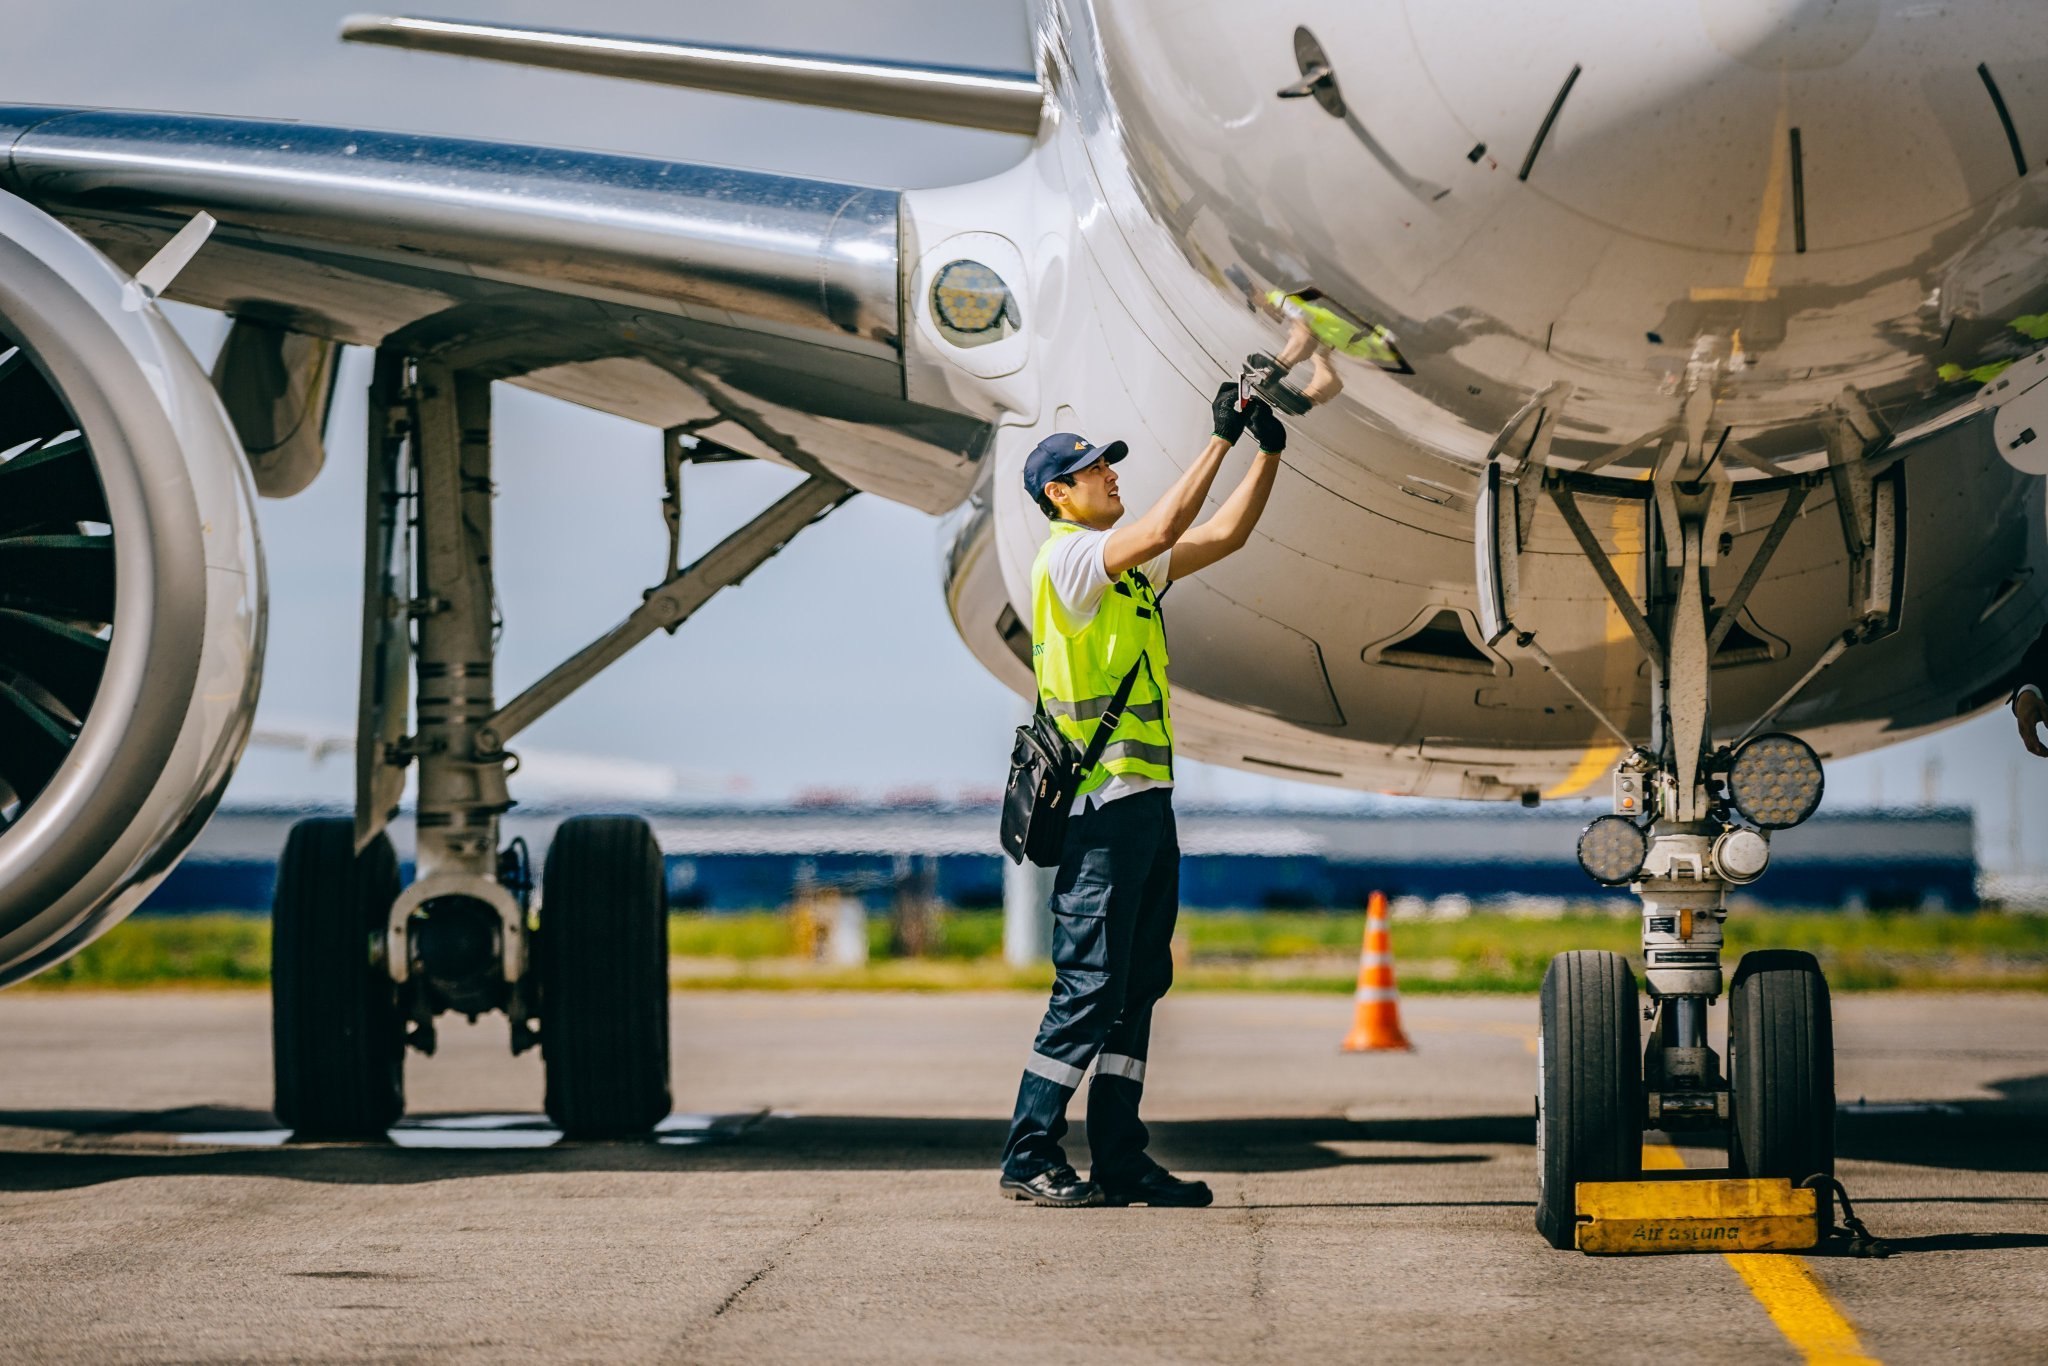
[828,1194]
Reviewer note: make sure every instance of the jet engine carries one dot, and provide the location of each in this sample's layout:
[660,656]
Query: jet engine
[131,593]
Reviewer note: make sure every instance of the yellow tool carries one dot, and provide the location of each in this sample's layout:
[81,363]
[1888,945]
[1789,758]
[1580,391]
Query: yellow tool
[1734,1215]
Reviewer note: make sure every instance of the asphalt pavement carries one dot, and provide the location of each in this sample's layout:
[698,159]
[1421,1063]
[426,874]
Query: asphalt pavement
[827,1193]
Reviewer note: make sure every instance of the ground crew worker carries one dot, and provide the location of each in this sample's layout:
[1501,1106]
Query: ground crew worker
[1095,613]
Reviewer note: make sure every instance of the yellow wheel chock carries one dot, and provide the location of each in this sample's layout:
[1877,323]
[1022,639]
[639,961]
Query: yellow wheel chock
[1731,1215]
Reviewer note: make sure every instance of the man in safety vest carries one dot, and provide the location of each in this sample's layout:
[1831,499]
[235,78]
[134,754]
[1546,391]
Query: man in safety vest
[1095,618]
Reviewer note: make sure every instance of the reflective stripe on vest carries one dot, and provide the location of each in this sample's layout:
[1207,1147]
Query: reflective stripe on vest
[1079,667]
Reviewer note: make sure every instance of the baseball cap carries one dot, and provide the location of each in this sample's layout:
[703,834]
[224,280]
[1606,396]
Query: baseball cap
[1062,453]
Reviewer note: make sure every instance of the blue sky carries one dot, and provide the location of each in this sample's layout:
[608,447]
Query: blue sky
[793,681]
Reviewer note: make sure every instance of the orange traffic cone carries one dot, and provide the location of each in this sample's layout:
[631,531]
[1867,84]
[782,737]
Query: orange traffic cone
[1376,1026]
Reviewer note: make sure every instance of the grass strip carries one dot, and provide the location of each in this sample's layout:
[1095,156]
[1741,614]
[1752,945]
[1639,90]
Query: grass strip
[1218,951]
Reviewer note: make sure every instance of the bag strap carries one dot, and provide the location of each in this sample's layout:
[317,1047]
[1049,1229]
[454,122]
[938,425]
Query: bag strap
[1111,719]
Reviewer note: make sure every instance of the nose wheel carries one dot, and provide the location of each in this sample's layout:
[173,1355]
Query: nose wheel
[1589,1085]
[1781,1063]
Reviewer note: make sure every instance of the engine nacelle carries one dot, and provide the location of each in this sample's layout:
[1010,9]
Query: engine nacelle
[131,594]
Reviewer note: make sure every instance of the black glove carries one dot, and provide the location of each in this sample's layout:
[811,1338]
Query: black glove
[1229,420]
[1266,427]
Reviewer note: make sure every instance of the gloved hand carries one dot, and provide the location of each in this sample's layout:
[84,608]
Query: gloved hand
[1266,426]
[1229,420]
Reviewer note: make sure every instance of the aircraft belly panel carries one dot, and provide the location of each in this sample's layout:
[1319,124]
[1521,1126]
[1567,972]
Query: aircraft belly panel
[1231,653]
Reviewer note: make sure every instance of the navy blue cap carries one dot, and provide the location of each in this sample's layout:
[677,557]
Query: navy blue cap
[1063,453]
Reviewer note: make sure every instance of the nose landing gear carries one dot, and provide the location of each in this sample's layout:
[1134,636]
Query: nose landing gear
[1690,821]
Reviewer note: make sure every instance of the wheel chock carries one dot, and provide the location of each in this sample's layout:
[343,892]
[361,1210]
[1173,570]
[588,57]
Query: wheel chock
[1736,1215]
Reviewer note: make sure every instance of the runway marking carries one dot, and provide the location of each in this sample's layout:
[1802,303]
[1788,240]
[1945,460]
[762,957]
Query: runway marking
[491,1131]
[1786,1287]
[1801,1307]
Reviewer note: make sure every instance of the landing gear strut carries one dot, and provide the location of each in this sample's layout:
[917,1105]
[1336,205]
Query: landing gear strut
[1690,820]
[363,967]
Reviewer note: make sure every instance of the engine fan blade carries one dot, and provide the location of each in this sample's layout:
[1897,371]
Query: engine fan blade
[68,577]
[32,744]
[30,407]
[54,485]
[57,657]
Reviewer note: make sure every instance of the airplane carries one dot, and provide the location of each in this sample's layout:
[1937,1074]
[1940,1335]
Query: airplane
[1662,380]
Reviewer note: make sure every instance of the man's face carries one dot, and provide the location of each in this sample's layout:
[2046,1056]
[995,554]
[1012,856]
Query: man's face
[1091,499]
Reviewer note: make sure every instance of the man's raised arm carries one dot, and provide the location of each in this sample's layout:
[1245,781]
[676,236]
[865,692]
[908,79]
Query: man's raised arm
[1167,520]
[1232,525]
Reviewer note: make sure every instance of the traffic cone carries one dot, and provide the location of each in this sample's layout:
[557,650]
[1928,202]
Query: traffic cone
[1376,1025]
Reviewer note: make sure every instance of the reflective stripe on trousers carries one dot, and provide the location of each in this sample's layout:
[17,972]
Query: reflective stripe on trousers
[1115,900]
[1053,1070]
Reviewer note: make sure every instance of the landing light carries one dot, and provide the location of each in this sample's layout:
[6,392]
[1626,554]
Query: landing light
[1776,781]
[972,304]
[1612,849]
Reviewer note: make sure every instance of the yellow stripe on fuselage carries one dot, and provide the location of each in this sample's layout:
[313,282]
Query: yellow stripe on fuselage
[1599,758]
[1618,658]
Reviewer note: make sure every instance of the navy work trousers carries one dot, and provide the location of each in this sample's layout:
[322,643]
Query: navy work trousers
[1113,904]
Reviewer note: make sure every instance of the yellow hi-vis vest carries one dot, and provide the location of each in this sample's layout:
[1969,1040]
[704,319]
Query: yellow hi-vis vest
[1079,665]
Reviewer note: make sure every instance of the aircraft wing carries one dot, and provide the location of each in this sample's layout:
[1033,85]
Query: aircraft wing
[759,312]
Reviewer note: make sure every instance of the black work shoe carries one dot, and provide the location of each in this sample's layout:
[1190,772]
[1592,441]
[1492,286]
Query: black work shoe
[1158,1188]
[1059,1187]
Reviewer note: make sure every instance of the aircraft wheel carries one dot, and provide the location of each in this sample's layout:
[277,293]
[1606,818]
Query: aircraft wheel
[1781,1069]
[337,1034]
[1589,1106]
[602,955]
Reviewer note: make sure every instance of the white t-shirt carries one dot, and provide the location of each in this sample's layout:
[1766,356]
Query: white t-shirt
[1079,578]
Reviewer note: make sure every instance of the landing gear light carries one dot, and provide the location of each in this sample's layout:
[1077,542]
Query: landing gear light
[1612,850]
[1776,781]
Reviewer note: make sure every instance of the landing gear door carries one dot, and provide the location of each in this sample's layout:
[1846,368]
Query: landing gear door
[1496,554]
[1883,580]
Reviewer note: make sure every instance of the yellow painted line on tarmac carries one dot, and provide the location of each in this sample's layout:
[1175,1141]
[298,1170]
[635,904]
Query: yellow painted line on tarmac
[1790,1293]
[1801,1307]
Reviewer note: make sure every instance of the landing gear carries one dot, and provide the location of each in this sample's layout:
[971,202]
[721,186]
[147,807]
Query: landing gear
[337,1035]
[1691,819]
[1589,1085]
[365,967]
[1781,1065]
[602,955]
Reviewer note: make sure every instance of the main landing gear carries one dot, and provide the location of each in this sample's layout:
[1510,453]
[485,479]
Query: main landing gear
[1690,820]
[362,966]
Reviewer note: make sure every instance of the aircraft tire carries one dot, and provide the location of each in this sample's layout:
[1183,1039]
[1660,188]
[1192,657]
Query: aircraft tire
[1781,1070]
[1589,1085]
[602,954]
[337,1035]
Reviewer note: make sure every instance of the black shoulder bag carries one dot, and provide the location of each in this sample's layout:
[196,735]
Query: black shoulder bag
[1045,773]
